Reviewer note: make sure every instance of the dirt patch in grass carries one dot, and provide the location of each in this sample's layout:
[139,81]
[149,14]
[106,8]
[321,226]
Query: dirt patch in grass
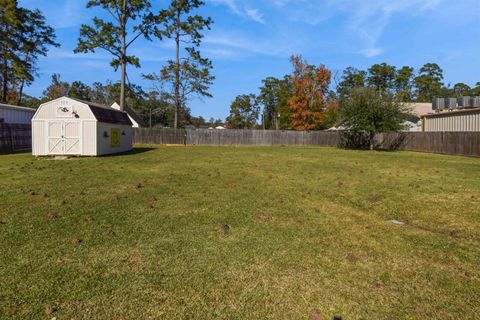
[315,314]
[352,257]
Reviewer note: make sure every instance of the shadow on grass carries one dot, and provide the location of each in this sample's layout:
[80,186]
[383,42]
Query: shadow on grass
[137,150]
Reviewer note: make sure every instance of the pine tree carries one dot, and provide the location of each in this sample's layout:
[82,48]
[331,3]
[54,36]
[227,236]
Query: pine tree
[189,75]
[112,36]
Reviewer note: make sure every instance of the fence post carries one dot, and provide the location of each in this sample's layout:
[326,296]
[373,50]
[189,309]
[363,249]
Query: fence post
[12,140]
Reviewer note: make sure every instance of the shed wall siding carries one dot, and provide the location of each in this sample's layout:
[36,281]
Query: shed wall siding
[104,144]
[15,116]
[466,122]
[89,139]
[38,138]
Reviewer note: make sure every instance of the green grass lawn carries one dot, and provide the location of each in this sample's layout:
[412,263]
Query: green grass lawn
[240,233]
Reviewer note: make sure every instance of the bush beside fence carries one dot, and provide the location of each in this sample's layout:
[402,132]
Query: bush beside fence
[15,137]
[455,143]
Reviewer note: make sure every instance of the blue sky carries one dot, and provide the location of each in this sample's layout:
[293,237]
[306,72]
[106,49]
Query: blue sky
[253,39]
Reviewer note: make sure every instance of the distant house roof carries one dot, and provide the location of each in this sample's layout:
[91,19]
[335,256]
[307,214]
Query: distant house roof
[137,120]
[420,109]
[106,114]
[135,116]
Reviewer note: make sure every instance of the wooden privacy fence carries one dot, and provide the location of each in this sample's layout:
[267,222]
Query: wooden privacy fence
[235,137]
[455,143]
[15,137]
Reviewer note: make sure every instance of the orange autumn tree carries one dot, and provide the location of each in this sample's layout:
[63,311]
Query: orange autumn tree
[309,90]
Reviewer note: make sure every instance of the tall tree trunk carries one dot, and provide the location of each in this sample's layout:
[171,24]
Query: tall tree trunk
[123,55]
[20,93]
[4,79]
[372,141]
[177,73]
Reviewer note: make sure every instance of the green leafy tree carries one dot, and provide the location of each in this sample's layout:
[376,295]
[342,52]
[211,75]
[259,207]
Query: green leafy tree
[404,83]
[381,77]
[24,37]
[274,95]
[368,112]
[475,91]
[56,89]
[461,89]
[351,78]
[428,83]
[80,90]
[244,112]
[113,36]
[190,75]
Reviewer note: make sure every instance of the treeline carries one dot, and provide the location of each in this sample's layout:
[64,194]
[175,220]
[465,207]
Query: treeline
[310,97]
[145,103]
[25,36]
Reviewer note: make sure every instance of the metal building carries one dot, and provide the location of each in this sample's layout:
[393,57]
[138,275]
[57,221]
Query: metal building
[467,120]
[67,126]
[15,115]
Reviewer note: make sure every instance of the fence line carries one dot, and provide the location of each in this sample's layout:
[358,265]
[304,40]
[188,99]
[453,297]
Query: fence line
[454,143]
[15,137]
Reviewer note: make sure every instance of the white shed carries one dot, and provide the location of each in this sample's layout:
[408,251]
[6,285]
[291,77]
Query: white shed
[67,126]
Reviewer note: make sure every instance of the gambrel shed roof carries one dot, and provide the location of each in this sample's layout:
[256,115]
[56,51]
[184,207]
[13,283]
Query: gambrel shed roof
[106,114]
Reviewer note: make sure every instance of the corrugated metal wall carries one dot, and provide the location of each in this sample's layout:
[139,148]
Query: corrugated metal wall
[453,122]
[16,115]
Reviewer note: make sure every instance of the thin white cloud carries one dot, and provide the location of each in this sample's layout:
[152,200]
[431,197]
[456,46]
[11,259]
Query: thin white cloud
[370,18]
[249,12]
[255,15]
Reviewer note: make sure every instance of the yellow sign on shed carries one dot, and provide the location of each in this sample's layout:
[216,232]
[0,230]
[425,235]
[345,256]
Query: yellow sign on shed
[115,137]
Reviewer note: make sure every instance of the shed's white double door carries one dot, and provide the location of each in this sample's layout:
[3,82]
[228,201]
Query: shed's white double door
[63,137]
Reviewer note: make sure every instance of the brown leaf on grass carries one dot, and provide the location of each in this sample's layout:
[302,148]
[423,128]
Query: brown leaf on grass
[89,218]
[262,219]
[139,186]
[50,310]
[76,241]
[225,228]
[52,216]
[315,315]
[64,202]
[374,199]
[31,193]
[62,179]
[109,232]
[452,232]
[45,195]
[339,183]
